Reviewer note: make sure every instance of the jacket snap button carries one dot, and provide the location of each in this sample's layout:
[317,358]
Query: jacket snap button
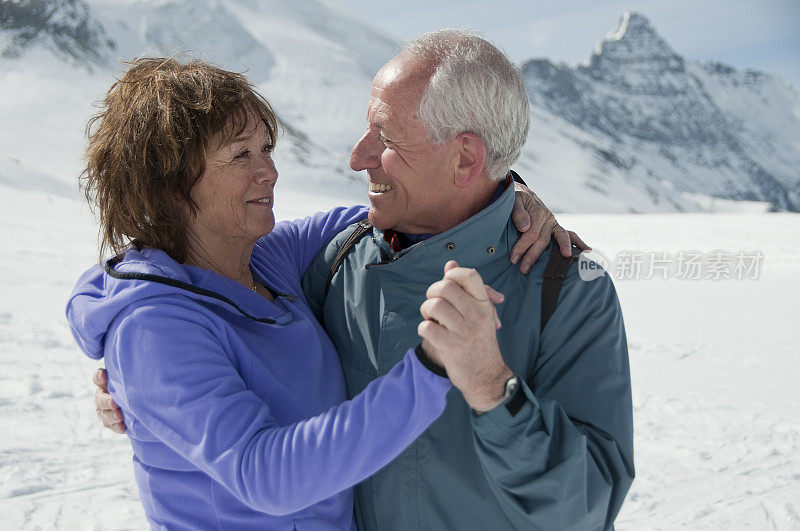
[490,250]
[450,246]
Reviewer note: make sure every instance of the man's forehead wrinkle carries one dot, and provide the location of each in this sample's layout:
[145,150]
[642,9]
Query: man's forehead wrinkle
[394,100]
[405,74]
[377,113]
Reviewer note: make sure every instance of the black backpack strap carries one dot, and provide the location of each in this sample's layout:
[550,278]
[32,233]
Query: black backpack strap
[362,229]
[554,274]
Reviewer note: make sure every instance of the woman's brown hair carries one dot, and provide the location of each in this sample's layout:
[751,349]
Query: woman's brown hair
[147,147]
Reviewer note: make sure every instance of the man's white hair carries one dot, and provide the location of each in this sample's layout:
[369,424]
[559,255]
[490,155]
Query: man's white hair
[474,88]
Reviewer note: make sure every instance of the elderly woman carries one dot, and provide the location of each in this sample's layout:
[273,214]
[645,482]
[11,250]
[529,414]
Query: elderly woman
[232,393]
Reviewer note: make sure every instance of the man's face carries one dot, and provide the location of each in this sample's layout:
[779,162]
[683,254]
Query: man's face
[410,177]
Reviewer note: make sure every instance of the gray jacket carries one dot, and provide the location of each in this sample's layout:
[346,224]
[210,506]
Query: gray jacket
[563,461]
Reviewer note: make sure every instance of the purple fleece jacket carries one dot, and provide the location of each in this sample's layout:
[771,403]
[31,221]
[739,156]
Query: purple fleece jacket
[235,406]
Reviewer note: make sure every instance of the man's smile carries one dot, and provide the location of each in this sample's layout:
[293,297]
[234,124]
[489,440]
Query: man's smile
[379,188]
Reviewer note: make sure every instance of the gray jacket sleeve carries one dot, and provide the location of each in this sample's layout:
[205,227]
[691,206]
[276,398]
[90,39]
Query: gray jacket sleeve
[565,460]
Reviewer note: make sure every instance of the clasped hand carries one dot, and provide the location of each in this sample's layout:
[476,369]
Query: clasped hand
[460,334]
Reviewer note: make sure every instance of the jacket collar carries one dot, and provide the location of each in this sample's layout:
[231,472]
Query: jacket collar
[153,271]
[472,243]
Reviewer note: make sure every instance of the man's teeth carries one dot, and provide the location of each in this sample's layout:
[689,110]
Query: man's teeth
[376,187]
[263,200]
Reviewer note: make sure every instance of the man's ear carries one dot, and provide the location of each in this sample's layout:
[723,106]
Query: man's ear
[471,158]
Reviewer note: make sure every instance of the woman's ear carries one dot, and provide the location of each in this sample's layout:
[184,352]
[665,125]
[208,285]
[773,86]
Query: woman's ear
[471,154]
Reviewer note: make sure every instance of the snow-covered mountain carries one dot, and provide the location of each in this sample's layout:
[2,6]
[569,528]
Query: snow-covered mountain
[63,26]
[636,128]
[313,61]
[668,127]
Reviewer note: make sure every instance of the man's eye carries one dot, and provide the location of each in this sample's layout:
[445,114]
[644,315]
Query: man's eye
[242,155]
[269,148]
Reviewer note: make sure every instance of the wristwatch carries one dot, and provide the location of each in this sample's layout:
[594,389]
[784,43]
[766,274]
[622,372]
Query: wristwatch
[511,385]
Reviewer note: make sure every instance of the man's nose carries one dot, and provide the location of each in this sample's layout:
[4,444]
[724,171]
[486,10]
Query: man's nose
[367,152]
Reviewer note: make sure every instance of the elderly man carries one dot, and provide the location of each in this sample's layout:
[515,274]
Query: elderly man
[540,434]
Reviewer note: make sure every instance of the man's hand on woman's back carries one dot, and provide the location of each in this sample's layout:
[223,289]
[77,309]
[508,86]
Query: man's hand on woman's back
[107,410]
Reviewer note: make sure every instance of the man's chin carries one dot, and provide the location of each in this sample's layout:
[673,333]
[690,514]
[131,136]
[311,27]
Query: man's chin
[379,221]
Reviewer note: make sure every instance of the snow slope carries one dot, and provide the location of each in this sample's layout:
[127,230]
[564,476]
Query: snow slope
[713,365]
[312,61]
[636,129]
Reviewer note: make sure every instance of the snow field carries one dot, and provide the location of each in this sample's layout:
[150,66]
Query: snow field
[714,372]
[714,378]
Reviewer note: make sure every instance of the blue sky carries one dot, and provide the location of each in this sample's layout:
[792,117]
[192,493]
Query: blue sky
[763,35]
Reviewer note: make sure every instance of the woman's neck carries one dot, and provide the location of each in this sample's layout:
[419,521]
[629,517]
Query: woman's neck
[230,259]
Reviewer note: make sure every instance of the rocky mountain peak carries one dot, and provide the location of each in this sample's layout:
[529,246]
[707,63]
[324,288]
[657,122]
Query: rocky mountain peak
[635,26]
[634,42]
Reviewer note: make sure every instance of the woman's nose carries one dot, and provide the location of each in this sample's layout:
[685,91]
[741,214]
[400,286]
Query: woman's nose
[265,170]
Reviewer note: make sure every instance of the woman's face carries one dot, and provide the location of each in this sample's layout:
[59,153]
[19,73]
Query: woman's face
[235,193]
